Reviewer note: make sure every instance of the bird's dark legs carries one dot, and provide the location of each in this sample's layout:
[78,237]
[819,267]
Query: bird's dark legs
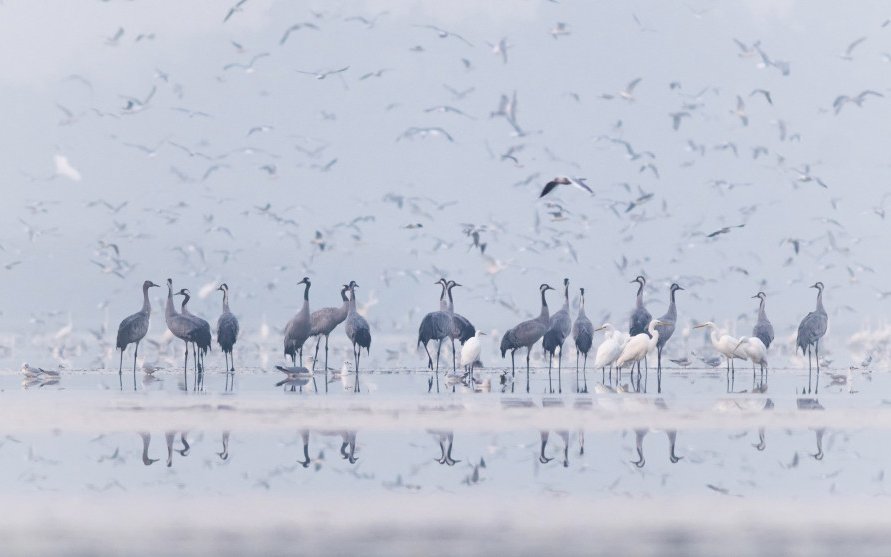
[121,365]
[185,369]
[560,372]
[454,361]
[659,370]
[135,352]
[528,351]
[550,360]
[358,359]
[429,358]
[326,362]
[438,350]
[513,367]
[577,370]
[817,357]
[544,443]
[584,374]
[809,369]
[316,357]
[603,375]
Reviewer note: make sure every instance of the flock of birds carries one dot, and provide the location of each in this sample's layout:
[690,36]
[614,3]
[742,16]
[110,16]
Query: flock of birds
[618,349]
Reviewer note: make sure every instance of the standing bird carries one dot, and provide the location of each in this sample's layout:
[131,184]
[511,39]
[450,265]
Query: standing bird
[610,349]
[324,321]
[201,340]
[181,326]
[134,328]
[227,329]
[462,328]
[559,328]
[753,348]
[470,353]
[436,325]
[357,329]
[763,328]
[665,332]
[640,317]
[725,344]
[298,328]
[638,346]
[810,331]
[583,335]
[527,334]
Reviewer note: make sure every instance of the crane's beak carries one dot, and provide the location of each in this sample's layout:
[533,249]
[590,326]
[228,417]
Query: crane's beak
[681,288]
[756,296]
[153,285]
[457,284]
[814,285]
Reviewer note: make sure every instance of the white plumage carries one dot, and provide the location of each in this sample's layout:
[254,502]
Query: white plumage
[611,347]
[637,348]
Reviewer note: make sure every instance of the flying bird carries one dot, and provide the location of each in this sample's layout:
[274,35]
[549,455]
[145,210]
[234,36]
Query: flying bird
[565,181]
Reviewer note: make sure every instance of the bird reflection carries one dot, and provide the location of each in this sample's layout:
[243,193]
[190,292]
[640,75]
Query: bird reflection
[347,446]
[814,404]
[224,454]
[146,440]
[545,435]
[445,439]
[170,436]
[639,435]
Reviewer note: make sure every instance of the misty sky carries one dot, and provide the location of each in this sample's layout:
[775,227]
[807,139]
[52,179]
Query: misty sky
[195,180]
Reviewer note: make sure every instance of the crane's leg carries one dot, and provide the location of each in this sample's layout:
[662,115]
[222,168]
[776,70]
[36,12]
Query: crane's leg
[659,370]
[185,369]
[326,363]
[577,370]
[358,359]
[528,352]
[584,374]
[817,357]
[438,350]
[454,361]
[316,357]
[809,369]
[560,372]
[135,352]
[550,360]
[513,367]
[429,358]
[121,365]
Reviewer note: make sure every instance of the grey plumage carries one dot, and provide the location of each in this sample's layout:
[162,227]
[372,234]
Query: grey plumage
[227,329]
[763,327]
[462,328]
[582,333]
[436,325]
[202,338]
[298,328]
[357,329]
[324,321]
[134,327]
[666,329]
[527,333]
[559,328]
[181,326]
[811,330]
[640,317]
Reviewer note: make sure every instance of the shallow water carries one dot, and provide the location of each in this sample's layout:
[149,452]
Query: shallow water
[259,467]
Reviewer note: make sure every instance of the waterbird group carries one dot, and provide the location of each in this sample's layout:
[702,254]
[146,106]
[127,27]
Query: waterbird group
[618,349]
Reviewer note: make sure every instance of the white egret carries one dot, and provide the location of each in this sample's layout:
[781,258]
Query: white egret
[610,349]
[638,346]
[723,343]
[470,352]
[753,349]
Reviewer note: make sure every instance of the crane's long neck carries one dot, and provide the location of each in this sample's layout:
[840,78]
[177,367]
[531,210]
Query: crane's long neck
[545,315]
[820,301]
[672,307]
[566,297]
[184,309]
[451,306]
[305,308]
[443,303]
[345,307]
[352,305]
[640,294]
[582,306]
[761,313]
[225,300]
[170,309]
[146,305]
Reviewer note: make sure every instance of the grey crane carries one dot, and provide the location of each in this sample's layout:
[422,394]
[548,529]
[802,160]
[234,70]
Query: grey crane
[559,328]
[357,329]
[763,328]
[527,334]
[201,340]
[298,328]
[227,329]
[181,326]
[323,322]
[583,335]
[665,331]
[134,328]
[436,325]
[640,317]
[810,331]
[462,328]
